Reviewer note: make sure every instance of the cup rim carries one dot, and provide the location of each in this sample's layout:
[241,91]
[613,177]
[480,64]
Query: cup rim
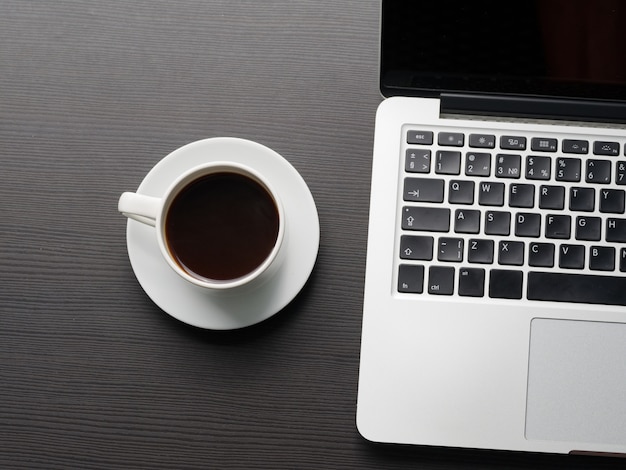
[183,181]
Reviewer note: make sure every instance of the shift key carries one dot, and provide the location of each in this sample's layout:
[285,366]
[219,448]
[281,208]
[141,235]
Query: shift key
[428,219]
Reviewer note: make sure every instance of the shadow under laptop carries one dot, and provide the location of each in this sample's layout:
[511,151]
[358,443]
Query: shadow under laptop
[389,455]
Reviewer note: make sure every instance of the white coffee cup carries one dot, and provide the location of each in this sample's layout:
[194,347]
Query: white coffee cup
[219,226]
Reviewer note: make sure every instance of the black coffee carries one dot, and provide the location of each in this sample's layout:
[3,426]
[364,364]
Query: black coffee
[221,226]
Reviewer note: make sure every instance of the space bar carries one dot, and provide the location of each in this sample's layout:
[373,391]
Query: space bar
[577,288]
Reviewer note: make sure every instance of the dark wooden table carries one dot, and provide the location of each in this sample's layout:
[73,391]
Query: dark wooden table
[92,373]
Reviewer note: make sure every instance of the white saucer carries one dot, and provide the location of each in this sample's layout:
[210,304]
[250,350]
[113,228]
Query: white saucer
[197,306]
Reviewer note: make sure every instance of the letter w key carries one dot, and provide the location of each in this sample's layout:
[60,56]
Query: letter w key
[491,194]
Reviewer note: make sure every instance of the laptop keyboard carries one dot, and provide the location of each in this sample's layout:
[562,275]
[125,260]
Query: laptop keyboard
[513,216]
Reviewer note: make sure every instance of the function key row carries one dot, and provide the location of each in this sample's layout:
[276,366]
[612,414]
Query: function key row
[512,142]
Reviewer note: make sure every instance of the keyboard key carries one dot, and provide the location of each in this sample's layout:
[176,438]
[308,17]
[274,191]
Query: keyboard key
[491,194]
[527,224]
[616,230]
[423,190]
[428,219]
[588,228]
[568,169]
[538,168]
[606,148]
[451,139]
[440,280]
[467,221]
[447,162]
[472,282]
[602,258]
[509,142]
[578,288]
[541,255]
[419,137]
[480,251]
[580,147]
[505,284]
[416,247]
[483,141]
[622,260]
[620,173]
[508,165]
[450,249]
[612,201]
[411,279]
[461,192]
[417,161]
[497,223]
[511,253]
[477,164]
[572,256]
[522,195]
[598,171]
[558,226]
[582,199]
[551,197]
[543,144]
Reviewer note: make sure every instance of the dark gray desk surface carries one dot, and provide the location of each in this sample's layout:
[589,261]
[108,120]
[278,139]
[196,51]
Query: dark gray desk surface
[92,373]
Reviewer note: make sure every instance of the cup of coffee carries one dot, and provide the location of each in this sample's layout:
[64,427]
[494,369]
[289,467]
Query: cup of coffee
[219,226]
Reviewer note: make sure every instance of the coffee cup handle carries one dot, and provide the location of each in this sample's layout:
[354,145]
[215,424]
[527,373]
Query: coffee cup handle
[139,207]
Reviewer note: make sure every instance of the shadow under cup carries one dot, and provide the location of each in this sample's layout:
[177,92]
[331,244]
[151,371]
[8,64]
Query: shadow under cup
[222,226]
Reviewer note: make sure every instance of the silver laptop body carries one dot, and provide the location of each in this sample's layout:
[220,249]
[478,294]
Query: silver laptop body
[495,292]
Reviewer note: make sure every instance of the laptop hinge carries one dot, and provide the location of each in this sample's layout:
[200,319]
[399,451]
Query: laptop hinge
[538,108]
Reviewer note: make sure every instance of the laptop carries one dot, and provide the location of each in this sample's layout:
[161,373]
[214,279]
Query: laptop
[495,291]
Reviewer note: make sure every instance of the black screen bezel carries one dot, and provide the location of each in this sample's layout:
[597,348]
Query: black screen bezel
[406,81]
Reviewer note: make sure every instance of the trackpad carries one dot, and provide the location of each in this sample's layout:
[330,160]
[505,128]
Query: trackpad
[577,382]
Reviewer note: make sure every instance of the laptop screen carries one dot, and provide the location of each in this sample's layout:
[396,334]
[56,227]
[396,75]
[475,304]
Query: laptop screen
[544,48]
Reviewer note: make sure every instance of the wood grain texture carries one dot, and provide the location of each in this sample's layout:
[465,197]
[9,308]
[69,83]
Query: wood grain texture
[92,373]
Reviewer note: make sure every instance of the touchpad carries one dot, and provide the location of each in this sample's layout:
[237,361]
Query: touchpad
[577,382]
